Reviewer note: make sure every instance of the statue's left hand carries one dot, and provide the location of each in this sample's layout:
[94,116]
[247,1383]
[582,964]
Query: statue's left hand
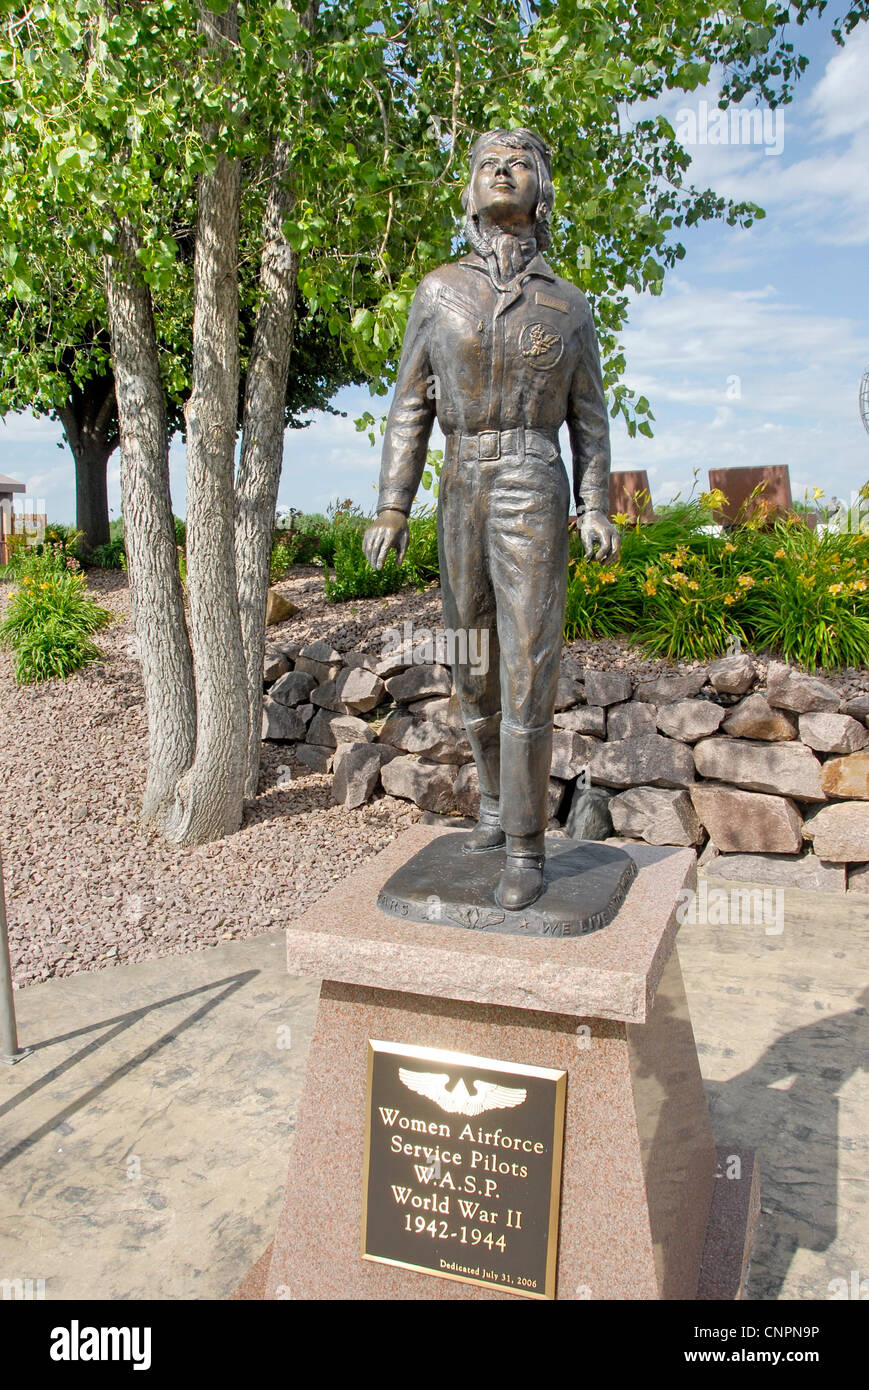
[600,539]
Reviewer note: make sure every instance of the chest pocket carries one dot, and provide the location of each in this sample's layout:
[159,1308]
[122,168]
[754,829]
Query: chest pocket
[452,300]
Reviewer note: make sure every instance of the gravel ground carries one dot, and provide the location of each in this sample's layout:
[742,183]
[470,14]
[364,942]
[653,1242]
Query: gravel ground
[87,888]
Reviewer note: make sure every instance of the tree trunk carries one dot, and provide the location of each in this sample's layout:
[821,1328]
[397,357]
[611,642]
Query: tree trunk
[149,533]
[91,493]
[259,472]
[210,795]
[90,423]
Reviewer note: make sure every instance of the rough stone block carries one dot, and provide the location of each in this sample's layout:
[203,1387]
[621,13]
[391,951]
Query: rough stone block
[357,770]
[434,739]
[359,689]
[689,720]
[328,729]
[429,785]
[631,720]
[325,696]
[840,832]
[278,608]
[585,719]
[568,692]
[321,671]
[589,817]
[664,690]
[275,665]
[857,706]
[732,675]
[321,651]
[833,733]
[740,820]
[788,688]
[787,870]
[293,688]
[467,791]
[314,757]
[365,661]
[607,687]
[753,717]
[847,777]
[785,769]
[420,683]
[570,753]
[658,816]
[555,797]
[649,760]
[281,722]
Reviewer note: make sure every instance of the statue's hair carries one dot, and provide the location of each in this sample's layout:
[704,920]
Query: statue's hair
[519,139]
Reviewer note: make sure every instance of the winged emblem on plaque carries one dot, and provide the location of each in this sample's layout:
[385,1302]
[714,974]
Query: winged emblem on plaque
[488,1095]
[478,918]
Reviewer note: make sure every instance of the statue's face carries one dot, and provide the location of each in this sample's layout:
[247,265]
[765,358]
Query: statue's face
[504,185]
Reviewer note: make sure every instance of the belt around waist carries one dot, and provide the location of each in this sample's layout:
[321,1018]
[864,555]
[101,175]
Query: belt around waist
[491,444]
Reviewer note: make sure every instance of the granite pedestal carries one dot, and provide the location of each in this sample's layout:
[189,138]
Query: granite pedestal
[639,1192]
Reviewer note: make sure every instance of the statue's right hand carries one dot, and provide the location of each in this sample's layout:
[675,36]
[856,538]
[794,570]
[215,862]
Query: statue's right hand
[388,531]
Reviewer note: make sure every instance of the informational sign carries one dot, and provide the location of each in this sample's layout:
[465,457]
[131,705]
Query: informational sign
[463,1167]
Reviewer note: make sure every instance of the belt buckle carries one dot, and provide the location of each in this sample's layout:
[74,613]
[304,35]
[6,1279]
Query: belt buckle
[489,444]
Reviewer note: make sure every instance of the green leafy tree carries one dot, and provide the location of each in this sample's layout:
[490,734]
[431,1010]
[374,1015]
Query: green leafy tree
[321,144]
[55,360]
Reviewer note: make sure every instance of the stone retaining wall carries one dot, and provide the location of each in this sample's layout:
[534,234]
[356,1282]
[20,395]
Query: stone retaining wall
[772,780]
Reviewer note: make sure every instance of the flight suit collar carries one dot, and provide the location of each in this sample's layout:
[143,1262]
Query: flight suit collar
[537,266]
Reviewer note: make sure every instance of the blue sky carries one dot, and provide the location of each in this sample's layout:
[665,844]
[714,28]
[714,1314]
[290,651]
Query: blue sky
[753,354]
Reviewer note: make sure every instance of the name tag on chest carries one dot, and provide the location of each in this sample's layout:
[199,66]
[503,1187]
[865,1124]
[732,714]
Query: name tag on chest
[550,302]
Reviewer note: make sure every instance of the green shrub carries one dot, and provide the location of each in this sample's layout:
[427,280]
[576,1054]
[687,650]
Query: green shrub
[15,551]
[52,651]
[279,562]
[110,556]
[421,566]
[693,602]
[354,577]
[49,623]
[296,541]
[55,555]
[686,594]
[304,538]
[326,546]
[59,533]
[810,602]
[602,600]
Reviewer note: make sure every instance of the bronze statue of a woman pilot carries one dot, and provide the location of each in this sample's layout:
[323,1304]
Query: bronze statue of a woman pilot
[503,352]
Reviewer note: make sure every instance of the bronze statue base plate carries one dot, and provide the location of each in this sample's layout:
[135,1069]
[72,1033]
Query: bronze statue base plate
[584,885]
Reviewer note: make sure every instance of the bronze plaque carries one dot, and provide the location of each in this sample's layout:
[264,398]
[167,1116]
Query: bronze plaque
[463,1167]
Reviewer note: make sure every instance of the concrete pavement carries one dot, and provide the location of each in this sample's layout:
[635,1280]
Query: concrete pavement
[144,1143]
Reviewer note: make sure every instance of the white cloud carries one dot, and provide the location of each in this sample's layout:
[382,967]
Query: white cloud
[838,101]
[798,373]
[807,165]
[29,429]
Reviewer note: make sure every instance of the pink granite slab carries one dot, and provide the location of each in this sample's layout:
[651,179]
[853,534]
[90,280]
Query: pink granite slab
[610,974]
[733,1219]
[639,1160]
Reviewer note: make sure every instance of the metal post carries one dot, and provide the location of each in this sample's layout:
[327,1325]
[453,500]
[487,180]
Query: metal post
[10,1052]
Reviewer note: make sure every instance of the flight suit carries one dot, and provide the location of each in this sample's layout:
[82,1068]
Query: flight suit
[502,370]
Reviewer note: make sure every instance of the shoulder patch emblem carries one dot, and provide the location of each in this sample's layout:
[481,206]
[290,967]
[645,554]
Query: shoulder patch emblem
[550,302]
[540,346]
